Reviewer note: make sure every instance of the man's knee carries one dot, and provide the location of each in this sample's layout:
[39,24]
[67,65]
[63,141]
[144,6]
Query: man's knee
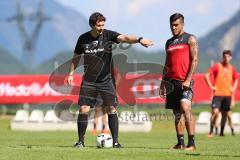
[186,106]
[215,111]
[111,110]
[84,109]
[229,113]
[187,110]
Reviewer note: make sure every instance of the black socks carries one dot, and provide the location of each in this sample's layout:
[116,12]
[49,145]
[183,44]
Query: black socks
[211,129]
[180,140]
[82,123]
[191,140]
[113,126]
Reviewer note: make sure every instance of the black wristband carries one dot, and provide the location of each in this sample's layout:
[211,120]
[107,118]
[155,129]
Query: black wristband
[139,39]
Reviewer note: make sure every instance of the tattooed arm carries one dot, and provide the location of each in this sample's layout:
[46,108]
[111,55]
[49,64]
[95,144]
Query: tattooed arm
[193,45]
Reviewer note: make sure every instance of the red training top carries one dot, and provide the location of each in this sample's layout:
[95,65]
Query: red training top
[178,57]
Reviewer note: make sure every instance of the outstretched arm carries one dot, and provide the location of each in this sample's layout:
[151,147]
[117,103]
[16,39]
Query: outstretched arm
[133,39]
[193,45]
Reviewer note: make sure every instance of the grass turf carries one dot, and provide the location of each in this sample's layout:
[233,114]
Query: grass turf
[140,146]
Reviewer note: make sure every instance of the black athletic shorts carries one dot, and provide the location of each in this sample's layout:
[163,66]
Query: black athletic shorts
[100,94]
[175,93]
[222,102]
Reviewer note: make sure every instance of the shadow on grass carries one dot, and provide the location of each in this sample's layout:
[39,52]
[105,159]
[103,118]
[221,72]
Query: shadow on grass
[35,145]
[142,147]
[212,155]
[91,146]
[137,147]
[127,147]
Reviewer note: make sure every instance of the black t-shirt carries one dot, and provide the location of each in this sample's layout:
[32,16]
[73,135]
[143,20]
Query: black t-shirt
[97,54]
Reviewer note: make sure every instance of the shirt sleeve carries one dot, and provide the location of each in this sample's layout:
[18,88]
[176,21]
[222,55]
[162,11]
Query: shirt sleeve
[78,47]
[213,70]
[113,36]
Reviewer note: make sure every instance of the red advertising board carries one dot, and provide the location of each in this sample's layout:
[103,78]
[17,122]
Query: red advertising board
[18,89]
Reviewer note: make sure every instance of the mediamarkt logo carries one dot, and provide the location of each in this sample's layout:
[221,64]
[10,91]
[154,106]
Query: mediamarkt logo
[33,89]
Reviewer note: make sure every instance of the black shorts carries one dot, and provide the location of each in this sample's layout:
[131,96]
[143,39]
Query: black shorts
[222,102]
[98,94]
[175,93]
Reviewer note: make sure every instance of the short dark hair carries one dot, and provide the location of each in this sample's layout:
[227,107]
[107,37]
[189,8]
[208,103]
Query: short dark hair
[229,52]
[176,16]
[95,17]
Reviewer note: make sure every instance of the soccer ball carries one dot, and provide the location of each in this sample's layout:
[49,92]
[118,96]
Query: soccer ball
[104,141]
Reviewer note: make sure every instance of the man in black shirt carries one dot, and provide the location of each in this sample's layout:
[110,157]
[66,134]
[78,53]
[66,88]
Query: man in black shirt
[95,47]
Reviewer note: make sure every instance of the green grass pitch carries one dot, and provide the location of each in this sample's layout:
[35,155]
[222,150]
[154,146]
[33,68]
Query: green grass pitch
[19,145]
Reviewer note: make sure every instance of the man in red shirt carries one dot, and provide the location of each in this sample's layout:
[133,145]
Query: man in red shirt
[224,87]
[177,84]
